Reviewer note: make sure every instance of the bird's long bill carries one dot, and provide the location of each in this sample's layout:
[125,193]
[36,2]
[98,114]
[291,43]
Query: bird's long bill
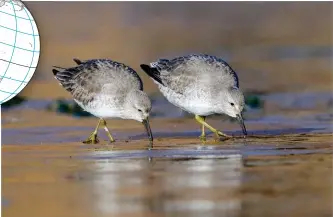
[241,122]
[147,126]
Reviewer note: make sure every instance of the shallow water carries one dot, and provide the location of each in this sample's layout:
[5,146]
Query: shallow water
[187,181]
[211,152]
[283,167]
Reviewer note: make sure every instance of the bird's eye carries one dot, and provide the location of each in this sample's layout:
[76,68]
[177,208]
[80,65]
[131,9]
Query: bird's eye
[139,110]
[232,104]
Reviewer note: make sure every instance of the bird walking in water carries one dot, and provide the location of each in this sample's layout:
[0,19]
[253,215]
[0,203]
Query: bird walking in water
[106,89]
[199,84]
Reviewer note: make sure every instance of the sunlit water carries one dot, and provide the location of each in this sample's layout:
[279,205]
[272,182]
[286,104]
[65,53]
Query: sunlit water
[146,189]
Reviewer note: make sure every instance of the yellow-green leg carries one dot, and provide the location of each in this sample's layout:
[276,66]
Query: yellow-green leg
[203,134]
[107,131]
[92,139]
[201,120]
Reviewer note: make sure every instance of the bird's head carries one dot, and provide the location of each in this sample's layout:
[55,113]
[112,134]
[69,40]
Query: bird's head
[233,104]
[138,107]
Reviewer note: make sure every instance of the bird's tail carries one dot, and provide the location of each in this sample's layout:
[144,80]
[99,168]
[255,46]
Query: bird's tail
[152,72]
[64,77]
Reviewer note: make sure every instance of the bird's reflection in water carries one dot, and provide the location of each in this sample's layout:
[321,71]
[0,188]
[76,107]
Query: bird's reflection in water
[165,186]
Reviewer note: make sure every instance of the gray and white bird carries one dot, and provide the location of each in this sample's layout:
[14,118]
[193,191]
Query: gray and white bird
[199,84]
[106,89]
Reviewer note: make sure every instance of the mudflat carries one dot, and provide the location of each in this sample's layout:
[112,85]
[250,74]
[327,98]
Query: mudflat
[276,176]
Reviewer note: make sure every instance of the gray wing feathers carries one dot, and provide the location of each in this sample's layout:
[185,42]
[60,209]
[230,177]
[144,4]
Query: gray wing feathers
[196,69]
[94,77]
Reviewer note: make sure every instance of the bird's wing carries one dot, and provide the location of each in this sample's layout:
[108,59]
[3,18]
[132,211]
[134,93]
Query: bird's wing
[201,70]
[92,77]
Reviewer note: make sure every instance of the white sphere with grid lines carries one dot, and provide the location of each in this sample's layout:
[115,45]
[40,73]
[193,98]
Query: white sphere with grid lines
[19,48]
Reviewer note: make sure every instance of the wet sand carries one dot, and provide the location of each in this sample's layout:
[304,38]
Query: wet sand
[47,171]
[226,179]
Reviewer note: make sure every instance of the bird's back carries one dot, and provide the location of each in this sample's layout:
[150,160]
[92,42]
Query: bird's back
[98,76]
[182,73]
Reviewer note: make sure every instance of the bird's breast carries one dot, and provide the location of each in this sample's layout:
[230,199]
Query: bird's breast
[102,109]
[194,101]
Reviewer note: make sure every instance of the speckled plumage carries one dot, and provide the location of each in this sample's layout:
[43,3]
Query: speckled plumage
[204,66]
[194,82]
[101,86]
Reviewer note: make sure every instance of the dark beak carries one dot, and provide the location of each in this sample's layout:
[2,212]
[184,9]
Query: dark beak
[150,135]
[241,122]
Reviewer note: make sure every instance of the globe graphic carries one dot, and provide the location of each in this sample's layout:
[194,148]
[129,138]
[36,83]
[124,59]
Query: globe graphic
[19,48]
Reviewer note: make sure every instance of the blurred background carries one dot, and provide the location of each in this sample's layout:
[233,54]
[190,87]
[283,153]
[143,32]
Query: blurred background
[274,46]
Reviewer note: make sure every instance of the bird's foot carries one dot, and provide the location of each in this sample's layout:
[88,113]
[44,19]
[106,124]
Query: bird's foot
[221,136]
[111,139]
[92,139]
[202,138]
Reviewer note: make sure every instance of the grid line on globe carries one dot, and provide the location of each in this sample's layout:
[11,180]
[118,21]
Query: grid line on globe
[18,67]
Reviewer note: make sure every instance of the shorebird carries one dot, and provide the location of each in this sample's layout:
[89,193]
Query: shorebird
[106,89]
[199,84]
